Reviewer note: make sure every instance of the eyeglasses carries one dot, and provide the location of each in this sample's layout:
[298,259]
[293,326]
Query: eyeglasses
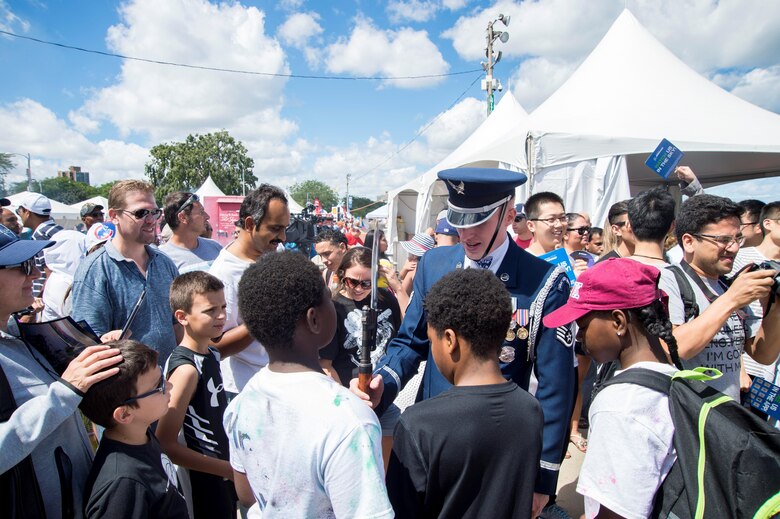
[745,224]
[26,266]
[551,220]
[582,231]
[159,389]
[519,218]
[353,283]
[723,241]
[191,200]
[96,214]
[144,214]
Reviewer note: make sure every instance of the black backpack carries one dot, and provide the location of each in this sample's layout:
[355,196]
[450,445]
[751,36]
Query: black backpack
[728,460]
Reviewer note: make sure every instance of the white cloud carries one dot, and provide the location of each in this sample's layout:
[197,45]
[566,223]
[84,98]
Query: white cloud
[369,51]
[455,125]
[164,102]
[412,10]
[9,21]
[54,145]
[299,28]
[454,5]
[760,86]
[537,78]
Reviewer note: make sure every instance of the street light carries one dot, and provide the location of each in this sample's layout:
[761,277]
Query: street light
[489,83]
[29,171]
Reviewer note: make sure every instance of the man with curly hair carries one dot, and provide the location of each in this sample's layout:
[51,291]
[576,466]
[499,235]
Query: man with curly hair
[437,470]
[301,445]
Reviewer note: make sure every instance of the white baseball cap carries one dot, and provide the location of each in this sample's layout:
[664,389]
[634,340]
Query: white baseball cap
[36,203]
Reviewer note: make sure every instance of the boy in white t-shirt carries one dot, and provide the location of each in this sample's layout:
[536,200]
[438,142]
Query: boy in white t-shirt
[301,445]
[619,310]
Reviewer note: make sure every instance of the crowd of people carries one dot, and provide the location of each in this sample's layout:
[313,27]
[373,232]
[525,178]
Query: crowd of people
[233,389]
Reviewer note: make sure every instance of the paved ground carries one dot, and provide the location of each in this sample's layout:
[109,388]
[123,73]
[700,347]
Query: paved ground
[568,498]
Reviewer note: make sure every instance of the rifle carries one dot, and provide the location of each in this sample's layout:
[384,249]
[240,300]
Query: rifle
[368,319]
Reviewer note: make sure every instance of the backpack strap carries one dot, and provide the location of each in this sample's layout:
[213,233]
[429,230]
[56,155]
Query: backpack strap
[691,308]
[642,377]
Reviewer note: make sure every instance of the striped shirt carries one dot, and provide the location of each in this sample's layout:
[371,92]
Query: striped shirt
[43,232]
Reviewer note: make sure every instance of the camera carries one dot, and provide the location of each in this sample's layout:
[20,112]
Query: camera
[766,265]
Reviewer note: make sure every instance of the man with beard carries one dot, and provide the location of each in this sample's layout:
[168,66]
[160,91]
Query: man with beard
[109,282]
[262,221]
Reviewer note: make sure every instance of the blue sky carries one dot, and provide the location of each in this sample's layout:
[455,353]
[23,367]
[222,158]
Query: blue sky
[102,113]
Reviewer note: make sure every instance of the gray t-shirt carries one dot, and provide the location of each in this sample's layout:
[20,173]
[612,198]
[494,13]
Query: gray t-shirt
[725,349]
[199,258]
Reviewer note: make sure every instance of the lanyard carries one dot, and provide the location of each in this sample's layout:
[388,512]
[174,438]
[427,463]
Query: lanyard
[706,289]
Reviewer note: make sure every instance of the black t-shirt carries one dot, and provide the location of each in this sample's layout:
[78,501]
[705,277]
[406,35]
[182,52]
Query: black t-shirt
[344,348]
[133,481]
[203,430]
[485,466]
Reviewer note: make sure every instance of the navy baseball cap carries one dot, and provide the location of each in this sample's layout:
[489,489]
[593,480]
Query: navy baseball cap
[14,251]
[520,208]
[445,228]
[476,193]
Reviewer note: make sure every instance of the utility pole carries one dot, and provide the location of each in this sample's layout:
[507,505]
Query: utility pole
[346,200]
[490,84]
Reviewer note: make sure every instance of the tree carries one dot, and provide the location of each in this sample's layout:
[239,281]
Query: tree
[184,166]
[6,165]
[362,205]
[311,189]
[66,190]
[104,189]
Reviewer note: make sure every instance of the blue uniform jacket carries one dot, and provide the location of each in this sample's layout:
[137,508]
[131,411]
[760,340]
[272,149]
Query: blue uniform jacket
[537,286]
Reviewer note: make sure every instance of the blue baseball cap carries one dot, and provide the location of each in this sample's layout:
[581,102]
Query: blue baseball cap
[444,227]
[14,251]
[476,193]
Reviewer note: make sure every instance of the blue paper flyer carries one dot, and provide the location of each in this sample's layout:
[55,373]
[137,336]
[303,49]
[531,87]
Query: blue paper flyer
[664,159]
[765,397]
[559,257]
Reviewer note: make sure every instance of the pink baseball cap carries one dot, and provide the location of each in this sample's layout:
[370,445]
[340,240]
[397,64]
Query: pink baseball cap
[614,284]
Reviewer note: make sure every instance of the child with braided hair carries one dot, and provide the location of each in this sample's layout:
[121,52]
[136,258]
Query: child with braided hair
[621,314]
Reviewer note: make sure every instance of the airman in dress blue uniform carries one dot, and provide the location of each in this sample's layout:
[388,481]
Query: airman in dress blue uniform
[481,206]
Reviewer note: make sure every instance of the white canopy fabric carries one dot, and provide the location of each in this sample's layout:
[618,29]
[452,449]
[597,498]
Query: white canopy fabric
[97,200]
[209,188]
[378,214]
[630,93]
[497,142]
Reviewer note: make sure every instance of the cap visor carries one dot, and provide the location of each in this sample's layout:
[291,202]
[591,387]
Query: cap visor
[466,220]
[22,250]
[564,315]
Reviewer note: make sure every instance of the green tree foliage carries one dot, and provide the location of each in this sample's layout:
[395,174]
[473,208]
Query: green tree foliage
[362,205]
[6,165]
[184,166]
[311,189]
[66,190]
[103,189]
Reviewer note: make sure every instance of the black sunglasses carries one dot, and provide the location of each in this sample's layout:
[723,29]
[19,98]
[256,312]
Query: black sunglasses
[27,266]
[143,214]
[519,218]
[354,283]
[159,389]
[582,231]
[191,200]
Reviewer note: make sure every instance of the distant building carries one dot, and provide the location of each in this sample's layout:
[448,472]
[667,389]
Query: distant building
[75,174]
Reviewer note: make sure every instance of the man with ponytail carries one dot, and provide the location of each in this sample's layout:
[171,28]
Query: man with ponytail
[621,316]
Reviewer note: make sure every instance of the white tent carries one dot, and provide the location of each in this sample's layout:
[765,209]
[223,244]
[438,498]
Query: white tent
[97,200]
[65,215]
[380,213]
[590,139]
[209,188]
[497,142]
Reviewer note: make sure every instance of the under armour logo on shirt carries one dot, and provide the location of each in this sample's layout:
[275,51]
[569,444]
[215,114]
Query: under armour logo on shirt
[484,263]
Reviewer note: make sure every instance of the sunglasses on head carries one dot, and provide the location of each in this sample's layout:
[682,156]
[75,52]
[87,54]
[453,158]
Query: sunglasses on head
[26,266]
[582,231]
[143,214]
[354,283]
[191,200]
[159,389]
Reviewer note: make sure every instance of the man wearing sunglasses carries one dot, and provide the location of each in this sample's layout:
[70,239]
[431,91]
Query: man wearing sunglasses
[108,283]
[708,230]
[186,218]
[481,207]
[91,214]
[523,235]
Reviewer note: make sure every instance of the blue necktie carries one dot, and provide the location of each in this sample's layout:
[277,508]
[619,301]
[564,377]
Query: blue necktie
[484,263]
